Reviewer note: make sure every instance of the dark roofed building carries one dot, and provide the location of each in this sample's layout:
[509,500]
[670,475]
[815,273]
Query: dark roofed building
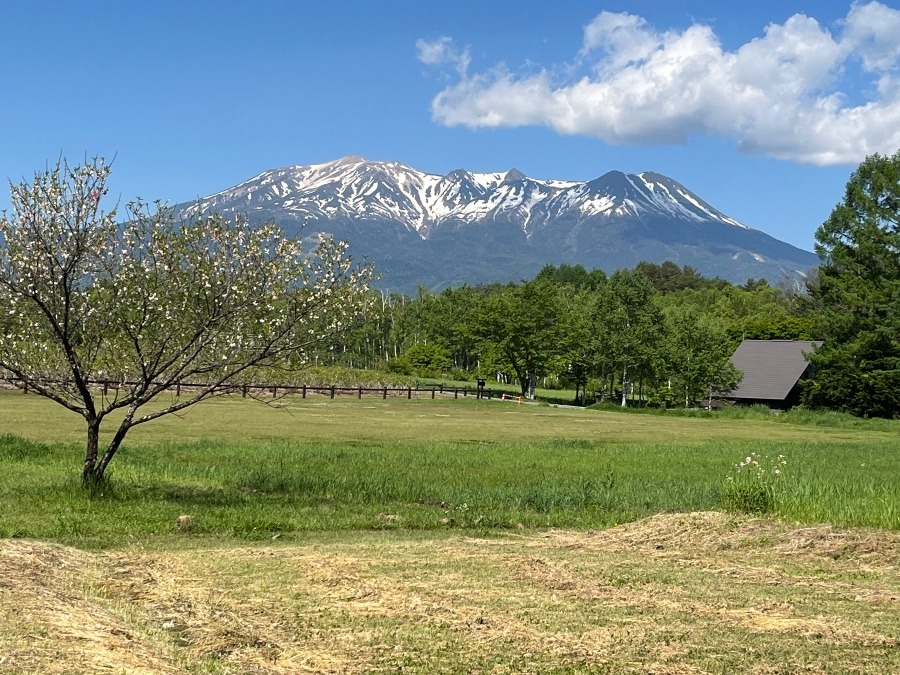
[772,371]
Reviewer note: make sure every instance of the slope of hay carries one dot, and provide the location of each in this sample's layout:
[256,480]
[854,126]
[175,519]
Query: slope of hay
[675,593]
[55,621]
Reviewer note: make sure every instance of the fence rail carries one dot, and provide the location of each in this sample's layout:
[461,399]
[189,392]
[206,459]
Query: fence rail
[304,390]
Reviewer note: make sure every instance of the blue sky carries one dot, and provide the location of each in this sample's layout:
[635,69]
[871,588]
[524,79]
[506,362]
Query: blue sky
[763,109]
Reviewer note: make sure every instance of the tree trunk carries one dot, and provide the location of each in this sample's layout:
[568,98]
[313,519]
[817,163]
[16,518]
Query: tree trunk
[624,384]
[114,445]
[602,381]
[95,470]
[89,471]
[523,386]
[523,376]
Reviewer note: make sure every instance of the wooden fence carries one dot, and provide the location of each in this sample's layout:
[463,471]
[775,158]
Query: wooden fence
[305,390]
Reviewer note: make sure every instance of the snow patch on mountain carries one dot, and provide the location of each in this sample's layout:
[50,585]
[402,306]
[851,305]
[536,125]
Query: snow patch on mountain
[355,188]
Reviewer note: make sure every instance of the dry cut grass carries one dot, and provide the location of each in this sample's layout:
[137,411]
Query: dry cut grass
[688,593]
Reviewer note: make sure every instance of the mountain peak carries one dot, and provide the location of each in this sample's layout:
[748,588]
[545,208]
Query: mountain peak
[348,160]
[458,174]
[514,174]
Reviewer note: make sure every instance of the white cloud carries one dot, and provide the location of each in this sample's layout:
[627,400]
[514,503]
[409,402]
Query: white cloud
[776,95]
[443,51]
[873,33]
[623,37]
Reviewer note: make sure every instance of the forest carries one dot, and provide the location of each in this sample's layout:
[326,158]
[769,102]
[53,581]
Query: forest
[655,334]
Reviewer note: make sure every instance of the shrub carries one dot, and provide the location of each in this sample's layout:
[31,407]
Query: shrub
[428,360]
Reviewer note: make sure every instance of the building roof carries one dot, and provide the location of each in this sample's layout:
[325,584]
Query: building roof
[771,367]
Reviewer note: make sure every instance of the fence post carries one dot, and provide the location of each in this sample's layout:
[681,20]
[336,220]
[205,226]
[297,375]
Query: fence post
[442,387]
[274,392]
[304,391]
[332,391]
[455,393]
[359,393]
[409,393]
[432,393]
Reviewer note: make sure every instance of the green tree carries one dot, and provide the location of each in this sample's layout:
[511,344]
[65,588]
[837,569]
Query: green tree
[447,322]
[578,333]
[423,360]
[858,296]
[152,304]
[699,355]
[772,326]
[630,327]
[669,278]
[572,275]
[518,326]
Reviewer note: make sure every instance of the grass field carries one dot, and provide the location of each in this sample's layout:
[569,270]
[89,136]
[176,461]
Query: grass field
[447,536]
[242,469]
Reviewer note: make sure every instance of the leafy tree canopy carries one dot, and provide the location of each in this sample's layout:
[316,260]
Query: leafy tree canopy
[575,276]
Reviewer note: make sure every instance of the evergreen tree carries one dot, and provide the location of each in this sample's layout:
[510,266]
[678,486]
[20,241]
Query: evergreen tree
[858,296]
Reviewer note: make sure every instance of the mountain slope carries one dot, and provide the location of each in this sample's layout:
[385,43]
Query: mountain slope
[495,227]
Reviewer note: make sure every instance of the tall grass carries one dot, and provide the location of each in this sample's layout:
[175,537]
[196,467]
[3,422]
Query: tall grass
[267,488]
[801,416]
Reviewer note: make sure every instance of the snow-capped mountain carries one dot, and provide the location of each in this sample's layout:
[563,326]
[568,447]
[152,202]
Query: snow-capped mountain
[484,227]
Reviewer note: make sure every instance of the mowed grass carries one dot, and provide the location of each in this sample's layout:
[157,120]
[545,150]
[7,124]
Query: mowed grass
[251,471]
[671,594]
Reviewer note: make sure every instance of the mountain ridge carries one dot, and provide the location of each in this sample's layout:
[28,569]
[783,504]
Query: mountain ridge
[503,226]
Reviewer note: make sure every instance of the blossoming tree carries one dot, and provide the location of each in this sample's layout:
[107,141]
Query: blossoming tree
[153,304]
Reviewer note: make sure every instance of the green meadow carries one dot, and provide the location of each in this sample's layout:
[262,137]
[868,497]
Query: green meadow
[247,470]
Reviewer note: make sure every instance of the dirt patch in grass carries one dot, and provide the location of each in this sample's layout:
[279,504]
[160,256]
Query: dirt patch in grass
[676,593]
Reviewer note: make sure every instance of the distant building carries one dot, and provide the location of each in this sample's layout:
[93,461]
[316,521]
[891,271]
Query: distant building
[772,371]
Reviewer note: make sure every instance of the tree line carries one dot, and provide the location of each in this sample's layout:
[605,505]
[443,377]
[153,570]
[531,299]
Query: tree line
[655,333]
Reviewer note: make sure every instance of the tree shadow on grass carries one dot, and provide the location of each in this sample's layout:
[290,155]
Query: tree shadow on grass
[187,495]
[20,449]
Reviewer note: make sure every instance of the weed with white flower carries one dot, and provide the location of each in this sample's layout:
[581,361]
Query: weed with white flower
[754,485]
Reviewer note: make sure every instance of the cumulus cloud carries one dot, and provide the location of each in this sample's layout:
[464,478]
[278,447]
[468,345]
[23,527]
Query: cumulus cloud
[778,95]
[873,31]
[624,38]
